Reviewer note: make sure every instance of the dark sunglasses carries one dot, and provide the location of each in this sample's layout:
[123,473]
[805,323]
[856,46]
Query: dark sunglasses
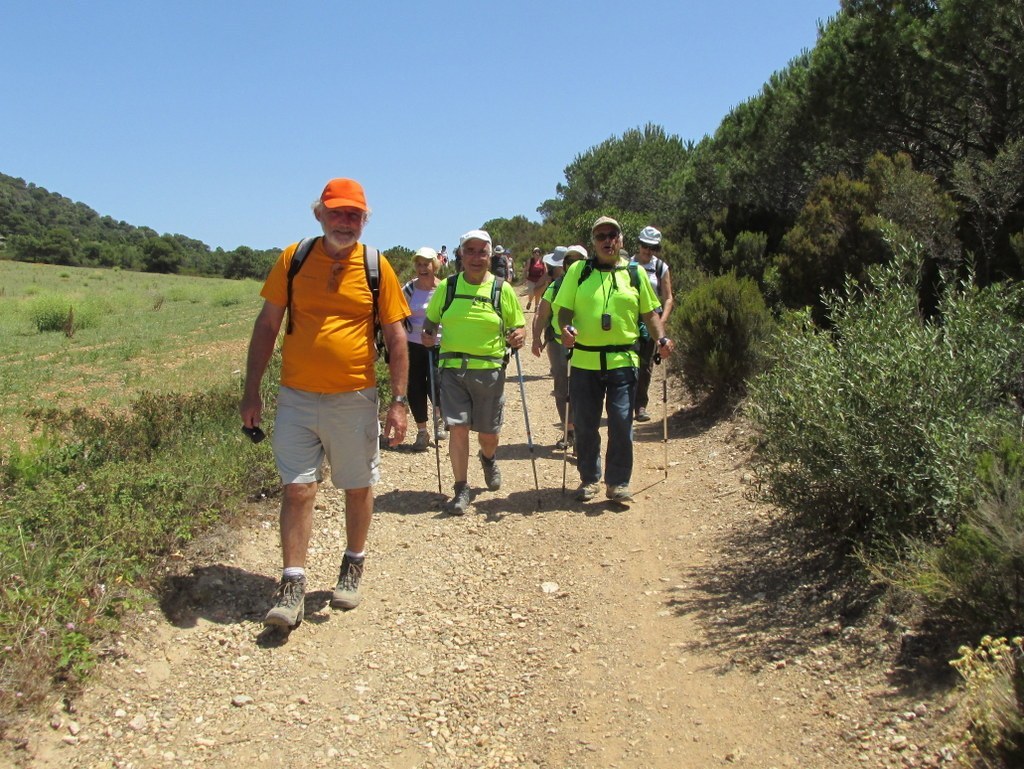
[650,247]
[601,237]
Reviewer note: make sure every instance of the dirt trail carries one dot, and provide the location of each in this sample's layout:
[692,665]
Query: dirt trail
[558,635]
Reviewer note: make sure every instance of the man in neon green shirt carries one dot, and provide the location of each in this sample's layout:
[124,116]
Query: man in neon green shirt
[599,305]
[480,317]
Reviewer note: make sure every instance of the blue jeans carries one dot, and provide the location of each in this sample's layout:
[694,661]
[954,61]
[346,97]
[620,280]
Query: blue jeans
[588,392]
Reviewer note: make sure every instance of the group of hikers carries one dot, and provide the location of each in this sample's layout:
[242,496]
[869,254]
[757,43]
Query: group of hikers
[601,320]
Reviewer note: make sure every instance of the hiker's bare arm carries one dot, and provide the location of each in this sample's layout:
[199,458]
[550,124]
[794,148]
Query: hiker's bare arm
[665,290]
[657,329]
[516,338]
[261,347]
[429,336]
[398,366]
[565,316]
[540,322]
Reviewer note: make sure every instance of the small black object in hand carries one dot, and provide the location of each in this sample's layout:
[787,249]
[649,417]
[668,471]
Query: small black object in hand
[255,434]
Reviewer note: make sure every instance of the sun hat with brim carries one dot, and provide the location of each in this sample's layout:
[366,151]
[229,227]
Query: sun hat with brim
[426,252]
[649,236]
[606,220]
[578,250]
[342,193]
[475,235]
[556,257]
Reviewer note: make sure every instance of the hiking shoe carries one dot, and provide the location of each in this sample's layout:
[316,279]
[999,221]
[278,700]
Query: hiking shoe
[422,441]
[642,415]
[460,500]
[346,592]
[565,442]
[492,475]
[620,494]
[440,430]
[587,492]
[289,604]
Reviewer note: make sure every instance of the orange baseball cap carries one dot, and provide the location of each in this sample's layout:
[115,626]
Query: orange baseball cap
[340,193]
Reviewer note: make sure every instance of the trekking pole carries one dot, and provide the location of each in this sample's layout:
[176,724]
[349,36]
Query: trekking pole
[664,409]
[526,416]
[433,400]
[565,425]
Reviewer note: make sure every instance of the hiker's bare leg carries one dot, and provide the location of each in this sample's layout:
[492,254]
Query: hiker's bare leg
[358,514]
[458,451]
[488,444]
[296,522]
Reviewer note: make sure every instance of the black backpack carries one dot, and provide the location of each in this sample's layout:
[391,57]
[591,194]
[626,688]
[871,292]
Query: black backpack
[500,265]
[371,267]
[451,286]
[644,335]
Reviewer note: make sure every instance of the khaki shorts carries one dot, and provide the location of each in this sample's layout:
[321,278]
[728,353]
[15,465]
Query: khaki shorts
[341,427]
[473,397]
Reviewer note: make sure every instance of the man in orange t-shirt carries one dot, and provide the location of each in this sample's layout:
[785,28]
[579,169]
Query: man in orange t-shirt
[327,403]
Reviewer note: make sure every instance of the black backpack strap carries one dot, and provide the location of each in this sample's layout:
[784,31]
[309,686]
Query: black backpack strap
[634,274]
[450,284]
[371,266]
[298,258]
[588,267]
[605,349]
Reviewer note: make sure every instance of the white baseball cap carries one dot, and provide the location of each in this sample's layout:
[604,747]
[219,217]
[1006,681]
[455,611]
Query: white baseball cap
[475,235]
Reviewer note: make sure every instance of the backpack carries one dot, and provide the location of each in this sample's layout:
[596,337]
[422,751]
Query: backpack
[371,267]
[500,266]
[644,335]
[450,287]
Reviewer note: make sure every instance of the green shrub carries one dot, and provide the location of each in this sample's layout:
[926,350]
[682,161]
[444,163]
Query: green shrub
[90,505]
[721,327]
[872,430]
[978,573]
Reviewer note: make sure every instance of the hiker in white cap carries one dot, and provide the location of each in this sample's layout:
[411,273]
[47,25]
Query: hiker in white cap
[418,292]
[481,317]
[661,281]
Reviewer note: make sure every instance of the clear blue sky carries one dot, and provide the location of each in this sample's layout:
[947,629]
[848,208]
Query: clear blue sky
[223,120]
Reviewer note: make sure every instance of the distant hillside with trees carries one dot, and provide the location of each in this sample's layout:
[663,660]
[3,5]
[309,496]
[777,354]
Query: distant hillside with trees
[37,225]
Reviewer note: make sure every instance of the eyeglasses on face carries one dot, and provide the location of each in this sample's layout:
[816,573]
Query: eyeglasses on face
[649,247]
[601,237]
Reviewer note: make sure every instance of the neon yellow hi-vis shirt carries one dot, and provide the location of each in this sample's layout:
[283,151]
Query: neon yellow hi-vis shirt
[471,326]
[605,292]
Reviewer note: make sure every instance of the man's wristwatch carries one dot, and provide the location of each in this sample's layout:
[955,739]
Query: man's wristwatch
[403,399]
[663,341]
